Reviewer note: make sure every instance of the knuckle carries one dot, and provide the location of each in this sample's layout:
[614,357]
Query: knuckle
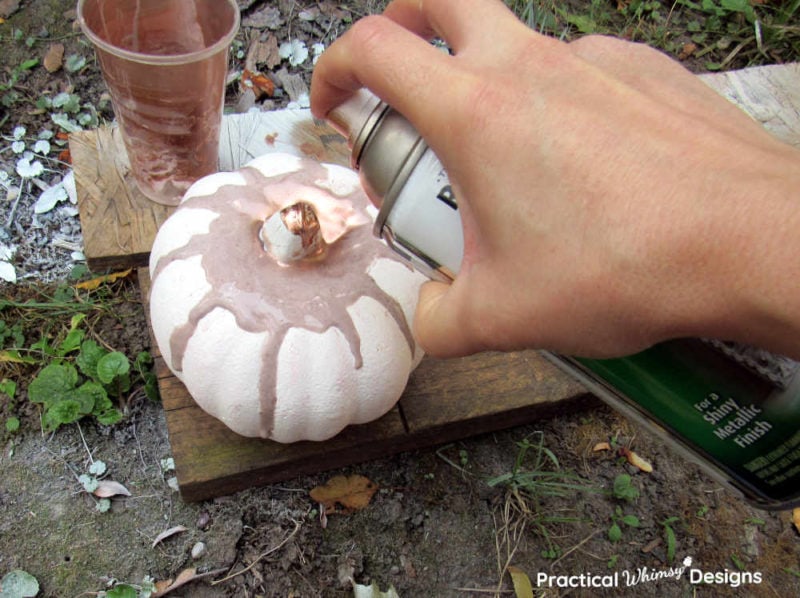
[366,33]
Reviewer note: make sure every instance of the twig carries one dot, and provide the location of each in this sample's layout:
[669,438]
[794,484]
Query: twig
[574,548]
[483,591]
[296,529]
[13,212]
[86,446]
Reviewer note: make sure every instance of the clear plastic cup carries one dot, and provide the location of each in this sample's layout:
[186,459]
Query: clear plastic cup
[165,65]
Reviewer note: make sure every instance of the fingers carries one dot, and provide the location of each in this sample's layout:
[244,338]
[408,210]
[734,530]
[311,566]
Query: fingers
[390,55]
[458,23]
[367,55]
[431,321]
[438,326]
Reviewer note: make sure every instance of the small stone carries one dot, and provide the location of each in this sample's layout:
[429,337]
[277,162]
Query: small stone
[203,520]
[198,550]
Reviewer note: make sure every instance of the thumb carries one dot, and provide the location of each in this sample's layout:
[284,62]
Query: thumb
[438,327]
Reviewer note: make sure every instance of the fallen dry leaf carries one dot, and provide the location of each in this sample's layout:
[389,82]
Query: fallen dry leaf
[352,492]
[94,283]
[168,533]
[184,577]
[601,446]
[263,53]
[107,489]
[54,58]
[8,7]
[521,581]
[636,460]
[258,83]
[796,518]
[687,50]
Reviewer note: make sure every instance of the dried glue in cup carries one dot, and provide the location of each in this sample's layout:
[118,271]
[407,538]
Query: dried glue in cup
[165,65]
[418,214]
[731,408]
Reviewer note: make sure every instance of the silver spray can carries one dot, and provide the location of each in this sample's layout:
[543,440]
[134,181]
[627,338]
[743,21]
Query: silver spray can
[404,179]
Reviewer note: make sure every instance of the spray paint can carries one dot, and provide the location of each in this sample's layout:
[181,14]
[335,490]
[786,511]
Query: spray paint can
[731,408]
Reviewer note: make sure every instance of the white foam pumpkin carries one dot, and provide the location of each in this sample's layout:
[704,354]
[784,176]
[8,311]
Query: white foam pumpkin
[280,332]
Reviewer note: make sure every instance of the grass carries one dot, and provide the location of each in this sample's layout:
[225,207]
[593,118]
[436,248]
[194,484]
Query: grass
[705,34]
[535,477]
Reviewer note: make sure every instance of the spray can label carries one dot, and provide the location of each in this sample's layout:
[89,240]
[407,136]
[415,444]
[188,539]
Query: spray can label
[737,405]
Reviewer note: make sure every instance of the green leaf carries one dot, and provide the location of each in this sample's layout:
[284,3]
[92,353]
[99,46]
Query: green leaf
[740,6]
[631,520]
[122,590]
[614,533]
[88,482]
[671,543]
[97,468]
[624,489]
[87,359]
[8,387]
[91,397]
[29,64]
[71,342]
[103,505]
[112,365]
[63,412]
[74,63]
[53,384]
[18,584]
[583,23]
[12,424]
[109,417]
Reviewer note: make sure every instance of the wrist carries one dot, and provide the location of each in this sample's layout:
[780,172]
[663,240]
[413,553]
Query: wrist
[753,292]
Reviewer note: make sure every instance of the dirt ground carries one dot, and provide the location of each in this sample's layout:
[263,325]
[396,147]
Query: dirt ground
[435,527]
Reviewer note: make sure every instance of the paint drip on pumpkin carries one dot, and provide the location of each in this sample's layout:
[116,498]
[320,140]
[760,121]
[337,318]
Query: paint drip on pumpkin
[267,297]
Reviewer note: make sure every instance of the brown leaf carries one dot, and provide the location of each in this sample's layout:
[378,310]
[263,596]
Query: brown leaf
[260,84]
[165,587]
[107,489]
[94,283]
[54,58]
[636,460]
[796,518]
[168,533]
[262,53]
[651,545]
[601,446]
[8,8]
[687,50]
[352,492]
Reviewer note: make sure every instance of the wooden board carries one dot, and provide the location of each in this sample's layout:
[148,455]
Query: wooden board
[444,400]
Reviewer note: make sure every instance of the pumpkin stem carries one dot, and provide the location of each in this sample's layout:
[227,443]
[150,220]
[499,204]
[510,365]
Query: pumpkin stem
[293,234]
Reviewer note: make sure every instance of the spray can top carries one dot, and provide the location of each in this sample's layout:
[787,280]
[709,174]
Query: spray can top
[384,146]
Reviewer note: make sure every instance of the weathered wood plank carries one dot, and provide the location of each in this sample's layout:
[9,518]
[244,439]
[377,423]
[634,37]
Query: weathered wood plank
[118,222]
[455,398]
[770,94]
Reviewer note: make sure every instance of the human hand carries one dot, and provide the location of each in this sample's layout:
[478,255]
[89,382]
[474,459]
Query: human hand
[609,199]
